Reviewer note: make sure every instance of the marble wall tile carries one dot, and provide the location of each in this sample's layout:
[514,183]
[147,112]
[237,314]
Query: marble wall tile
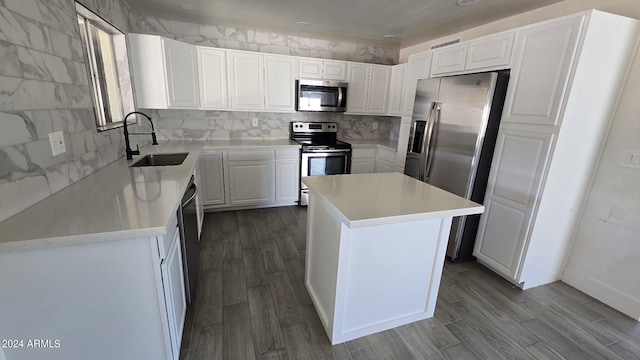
[20,30]
[25,94]
[252,40]
[14,129]
[9,60]
[43,89]
[66,46]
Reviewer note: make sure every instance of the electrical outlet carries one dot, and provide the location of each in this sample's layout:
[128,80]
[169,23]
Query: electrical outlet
[375,125]
[254,122]
[57,143]
[631,159]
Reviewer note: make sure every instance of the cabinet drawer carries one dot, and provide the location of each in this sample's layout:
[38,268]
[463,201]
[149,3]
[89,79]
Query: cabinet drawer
[363,153]
[386,155]
[165,241]
[244,155]
[287,154]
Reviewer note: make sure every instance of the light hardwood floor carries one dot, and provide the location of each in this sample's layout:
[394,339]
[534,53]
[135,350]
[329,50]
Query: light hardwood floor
[252,304]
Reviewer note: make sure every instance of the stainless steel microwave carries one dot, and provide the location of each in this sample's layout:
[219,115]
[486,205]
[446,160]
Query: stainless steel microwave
[319,95]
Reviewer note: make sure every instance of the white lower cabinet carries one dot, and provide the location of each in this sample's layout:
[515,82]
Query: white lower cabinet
[372,159]
[251,182]
[287,174]
[250,177]
[212,171]
[173,287]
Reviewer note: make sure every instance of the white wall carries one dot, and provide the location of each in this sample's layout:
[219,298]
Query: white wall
[605,259]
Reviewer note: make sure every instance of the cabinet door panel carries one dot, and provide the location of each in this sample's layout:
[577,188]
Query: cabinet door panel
[519,160]
[450,59]
[280,77]
[251,182]
[363,166]
[287,179]
[246,80]
[182,78]
[378,89]
[335,70]
[310,69]
[501,238]
[418,67]
[490,51]
[212,70]
[357,91]
[395,89]
[173,285]
[542,63]
[212,173]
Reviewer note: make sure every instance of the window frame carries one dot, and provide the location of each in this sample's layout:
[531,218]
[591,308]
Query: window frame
[102,120]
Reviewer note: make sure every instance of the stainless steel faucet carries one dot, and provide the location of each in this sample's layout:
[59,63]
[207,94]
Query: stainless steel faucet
[128,150]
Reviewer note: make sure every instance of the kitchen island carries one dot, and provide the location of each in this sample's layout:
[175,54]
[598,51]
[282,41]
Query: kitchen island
[375,250]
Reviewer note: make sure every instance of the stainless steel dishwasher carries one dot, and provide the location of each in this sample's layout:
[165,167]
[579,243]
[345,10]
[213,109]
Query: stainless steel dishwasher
[188,223]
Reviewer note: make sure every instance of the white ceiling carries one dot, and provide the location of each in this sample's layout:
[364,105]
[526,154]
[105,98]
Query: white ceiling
[357,21]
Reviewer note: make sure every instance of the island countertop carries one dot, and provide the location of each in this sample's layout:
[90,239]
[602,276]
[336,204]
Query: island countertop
[387,198]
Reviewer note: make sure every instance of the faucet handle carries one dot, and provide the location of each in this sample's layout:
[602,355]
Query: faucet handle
[136,151]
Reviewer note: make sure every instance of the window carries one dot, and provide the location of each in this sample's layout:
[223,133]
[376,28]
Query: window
[108,67]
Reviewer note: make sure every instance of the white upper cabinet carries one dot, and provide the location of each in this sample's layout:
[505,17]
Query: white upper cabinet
[357,90]
[334,70]
[182,74]
[322,69]
[246,80]
[449,59]
[165,72]
[418,67]
[540,74]
[490,51]
[484,54]
[212,70]
[378,89]
[395,89]
[280,77]
[368,90]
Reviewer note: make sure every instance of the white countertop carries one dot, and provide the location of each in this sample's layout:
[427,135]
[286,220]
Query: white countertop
[116,202]
[387,198]
[389,144]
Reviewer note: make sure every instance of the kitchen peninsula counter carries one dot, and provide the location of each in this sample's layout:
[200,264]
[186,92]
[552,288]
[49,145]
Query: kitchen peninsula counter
[375,250]
[116,202]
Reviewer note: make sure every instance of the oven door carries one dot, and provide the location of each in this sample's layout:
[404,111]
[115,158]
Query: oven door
[325,162]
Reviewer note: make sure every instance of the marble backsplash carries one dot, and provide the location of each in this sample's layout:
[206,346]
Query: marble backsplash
[224,125]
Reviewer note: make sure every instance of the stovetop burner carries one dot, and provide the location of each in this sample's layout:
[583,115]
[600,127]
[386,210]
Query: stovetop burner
[317,135]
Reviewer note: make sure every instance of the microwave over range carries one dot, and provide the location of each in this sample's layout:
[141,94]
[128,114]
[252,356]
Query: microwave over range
[320,95]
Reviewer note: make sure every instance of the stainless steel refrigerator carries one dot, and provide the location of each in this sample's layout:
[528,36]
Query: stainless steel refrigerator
[453,133]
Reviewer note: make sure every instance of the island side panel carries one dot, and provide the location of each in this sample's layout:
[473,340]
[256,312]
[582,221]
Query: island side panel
[388,276]
[321,269]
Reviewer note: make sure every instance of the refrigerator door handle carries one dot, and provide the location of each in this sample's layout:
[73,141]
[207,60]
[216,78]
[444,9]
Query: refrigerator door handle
[431,143]
[424,150]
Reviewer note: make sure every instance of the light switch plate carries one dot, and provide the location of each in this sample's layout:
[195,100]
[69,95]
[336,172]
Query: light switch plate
[375,125]
[57,143]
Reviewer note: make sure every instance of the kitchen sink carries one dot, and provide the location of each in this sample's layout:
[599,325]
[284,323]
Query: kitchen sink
[161,160]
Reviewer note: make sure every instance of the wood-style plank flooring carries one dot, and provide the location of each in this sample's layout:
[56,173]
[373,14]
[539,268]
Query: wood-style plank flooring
[252,304]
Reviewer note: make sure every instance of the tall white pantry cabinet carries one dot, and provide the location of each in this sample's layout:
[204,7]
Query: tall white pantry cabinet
[565,81]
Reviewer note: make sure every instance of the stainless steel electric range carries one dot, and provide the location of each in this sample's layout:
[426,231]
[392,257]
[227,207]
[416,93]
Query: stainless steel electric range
[321,153]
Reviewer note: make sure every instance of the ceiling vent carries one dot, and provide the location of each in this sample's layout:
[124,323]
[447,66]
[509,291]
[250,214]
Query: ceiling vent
[451,42]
